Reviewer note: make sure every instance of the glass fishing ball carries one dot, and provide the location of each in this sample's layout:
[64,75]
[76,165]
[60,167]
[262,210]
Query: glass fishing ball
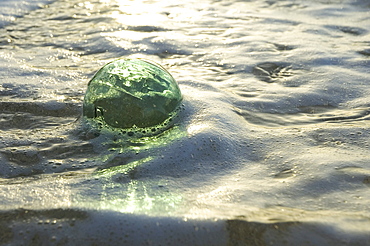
[128,93]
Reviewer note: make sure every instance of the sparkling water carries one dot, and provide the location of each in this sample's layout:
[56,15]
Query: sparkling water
[270,145]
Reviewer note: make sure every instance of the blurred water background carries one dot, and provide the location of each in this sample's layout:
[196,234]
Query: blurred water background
[271,147]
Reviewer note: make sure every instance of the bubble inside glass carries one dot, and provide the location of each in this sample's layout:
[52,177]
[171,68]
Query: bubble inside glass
[130,93]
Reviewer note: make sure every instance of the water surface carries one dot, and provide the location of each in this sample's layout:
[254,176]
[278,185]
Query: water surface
[272,141]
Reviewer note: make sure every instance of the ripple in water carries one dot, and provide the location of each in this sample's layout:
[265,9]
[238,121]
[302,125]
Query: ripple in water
[272,72]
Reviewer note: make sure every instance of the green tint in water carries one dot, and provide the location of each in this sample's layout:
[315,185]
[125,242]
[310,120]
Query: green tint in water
[130,93]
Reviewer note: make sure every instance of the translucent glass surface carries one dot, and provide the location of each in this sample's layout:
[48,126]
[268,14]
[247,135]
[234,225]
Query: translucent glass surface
[130,93]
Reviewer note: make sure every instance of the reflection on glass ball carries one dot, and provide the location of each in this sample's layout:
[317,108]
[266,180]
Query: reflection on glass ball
[130,93]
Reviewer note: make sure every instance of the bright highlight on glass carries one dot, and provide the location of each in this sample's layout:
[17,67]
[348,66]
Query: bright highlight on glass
[132,93]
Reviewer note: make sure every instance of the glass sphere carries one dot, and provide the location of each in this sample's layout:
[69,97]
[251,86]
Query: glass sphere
[128,93]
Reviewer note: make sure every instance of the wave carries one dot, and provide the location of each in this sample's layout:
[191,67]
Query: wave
[13,9]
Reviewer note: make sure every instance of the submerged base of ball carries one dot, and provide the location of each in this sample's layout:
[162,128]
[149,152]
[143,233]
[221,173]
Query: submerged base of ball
[131,93]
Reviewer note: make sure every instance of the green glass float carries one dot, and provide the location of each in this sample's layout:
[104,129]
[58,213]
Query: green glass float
[132,93]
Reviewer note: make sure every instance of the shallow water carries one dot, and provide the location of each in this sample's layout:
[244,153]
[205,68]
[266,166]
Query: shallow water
[272,141]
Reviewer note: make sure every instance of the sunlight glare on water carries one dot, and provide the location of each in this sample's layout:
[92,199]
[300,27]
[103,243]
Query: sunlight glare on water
[272,138]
